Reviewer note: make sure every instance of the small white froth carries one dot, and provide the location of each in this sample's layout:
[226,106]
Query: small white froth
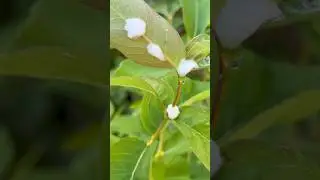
[185,66]
[173,111]
[135,27]
[155,51]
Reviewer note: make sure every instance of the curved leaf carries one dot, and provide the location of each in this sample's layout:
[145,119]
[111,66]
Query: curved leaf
[125,157]
[198,140]
[199,47]
[199,97]
[158,30]
[130,68]
[289,111]
[132,82]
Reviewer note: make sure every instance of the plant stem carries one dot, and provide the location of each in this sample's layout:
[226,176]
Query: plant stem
[178,94]
[158,131]
[219,84]
[160,151]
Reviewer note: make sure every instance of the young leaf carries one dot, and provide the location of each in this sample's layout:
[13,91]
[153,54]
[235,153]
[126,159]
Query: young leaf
[196,16]
[199,141]
[158,30]
[198,48]
[55,63]
[132,82]
[199,97]
[289,111]
[125,157]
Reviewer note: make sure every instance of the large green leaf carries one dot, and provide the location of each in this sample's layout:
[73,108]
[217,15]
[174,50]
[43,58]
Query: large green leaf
[175,143]
[289,111]
[71,24]
[132,82]
[56,63]
[125,157]
[178,169]
[196,16]
[251,160]
[130,68]
[158,30]
[198,140]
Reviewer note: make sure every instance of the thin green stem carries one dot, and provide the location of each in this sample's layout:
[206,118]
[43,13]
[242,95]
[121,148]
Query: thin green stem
[178,94]
[157,133]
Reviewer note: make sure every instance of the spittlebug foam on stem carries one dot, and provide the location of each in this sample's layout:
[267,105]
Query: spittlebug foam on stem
[173,111]
[155,50]
[186,66]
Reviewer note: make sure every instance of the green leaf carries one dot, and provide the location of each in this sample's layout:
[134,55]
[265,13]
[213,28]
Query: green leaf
[113,140]
[196,16]
[133,82]
[253,160]
[151,113]
[125,157]
[130,68]
[289,111]
[158,30]
[165,7]
[56,63]
[126,125]
[199,97]
[70,24]
[199,47]
[178,169]
[199,142]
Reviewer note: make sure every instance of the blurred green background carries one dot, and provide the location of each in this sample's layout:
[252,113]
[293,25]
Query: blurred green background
[53,89]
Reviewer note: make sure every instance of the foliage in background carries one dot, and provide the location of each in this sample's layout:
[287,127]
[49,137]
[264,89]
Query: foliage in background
[144,143]
[52,46]
[268,121]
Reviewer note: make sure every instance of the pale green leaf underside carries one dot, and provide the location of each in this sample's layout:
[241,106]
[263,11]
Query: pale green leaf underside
[55,63]
[125,157]
[199,142]
[288,111]
[158,30]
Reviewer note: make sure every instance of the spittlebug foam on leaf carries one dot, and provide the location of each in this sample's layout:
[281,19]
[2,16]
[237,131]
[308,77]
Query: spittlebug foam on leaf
[173,111]
[135,27]
[185,66]
[155,51]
